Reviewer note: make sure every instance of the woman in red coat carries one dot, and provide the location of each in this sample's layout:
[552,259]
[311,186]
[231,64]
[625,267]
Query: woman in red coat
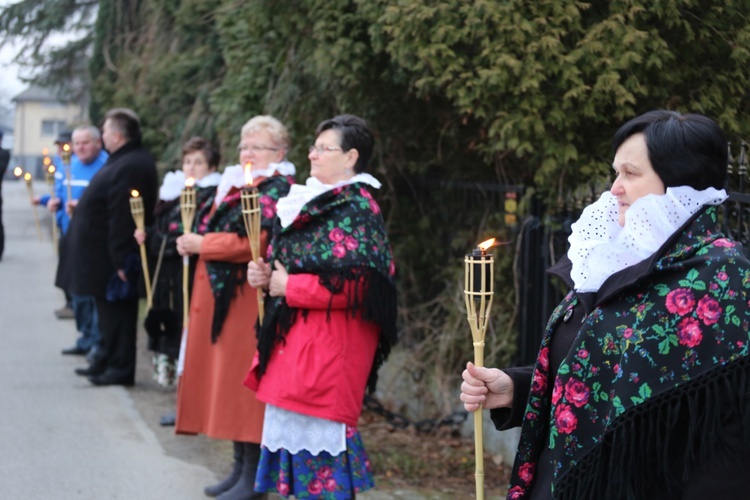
[329,324]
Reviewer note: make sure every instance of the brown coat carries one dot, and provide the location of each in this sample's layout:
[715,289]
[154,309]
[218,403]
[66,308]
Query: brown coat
[211,398]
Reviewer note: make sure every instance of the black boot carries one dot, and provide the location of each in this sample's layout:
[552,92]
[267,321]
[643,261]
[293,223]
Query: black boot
[231,479]
[243,489]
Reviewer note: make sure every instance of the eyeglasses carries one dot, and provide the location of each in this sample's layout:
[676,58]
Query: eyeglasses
[255,149]
[322,149]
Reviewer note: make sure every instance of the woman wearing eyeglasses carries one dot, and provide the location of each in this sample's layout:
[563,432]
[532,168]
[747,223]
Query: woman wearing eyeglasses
[330,320]
[223,309]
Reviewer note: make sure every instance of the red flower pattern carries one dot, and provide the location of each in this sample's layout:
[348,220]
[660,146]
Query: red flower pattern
[680,301]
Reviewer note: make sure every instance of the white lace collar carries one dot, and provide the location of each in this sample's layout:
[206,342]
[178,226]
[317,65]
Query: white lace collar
[234,176]
[173,183]
[600,247]
[289,207]
[211,179]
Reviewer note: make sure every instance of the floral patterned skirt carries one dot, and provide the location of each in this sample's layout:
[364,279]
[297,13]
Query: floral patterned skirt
[322,476]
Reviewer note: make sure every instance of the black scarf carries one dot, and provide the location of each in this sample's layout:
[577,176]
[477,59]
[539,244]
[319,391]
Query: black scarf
[226,277]
[339,236]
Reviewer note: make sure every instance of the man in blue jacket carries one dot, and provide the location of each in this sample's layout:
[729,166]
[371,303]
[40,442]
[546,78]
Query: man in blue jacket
[88,157]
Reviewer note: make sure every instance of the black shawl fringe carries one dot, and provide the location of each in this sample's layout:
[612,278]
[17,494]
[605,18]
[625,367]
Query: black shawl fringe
[645,444]
[376,303]
[224,295]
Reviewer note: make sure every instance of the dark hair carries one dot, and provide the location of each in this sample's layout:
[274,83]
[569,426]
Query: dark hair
[210,153]
[355,134]
[685,150]
[126,122]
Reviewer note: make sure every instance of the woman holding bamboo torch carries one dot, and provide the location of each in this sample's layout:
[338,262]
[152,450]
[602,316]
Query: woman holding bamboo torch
[640,389]
[223,309]
[330,320]
[200,160]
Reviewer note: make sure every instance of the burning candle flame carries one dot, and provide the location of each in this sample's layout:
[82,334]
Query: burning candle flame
[483,246]
[18,171]
[189,182]
[51,169]
[134,193]
[248,174]
[66,147]
[27,177]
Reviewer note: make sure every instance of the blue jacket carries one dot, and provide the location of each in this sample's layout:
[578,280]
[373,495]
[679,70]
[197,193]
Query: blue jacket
[80,175]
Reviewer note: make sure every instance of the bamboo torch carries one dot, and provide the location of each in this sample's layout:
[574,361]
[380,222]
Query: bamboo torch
[30,188]
[187,212]
[51,183]
[136,209]
[251,215]
[479,269]
[65,155]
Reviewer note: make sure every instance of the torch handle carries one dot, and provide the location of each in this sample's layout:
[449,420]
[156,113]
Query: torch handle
[185,291]
[146,276]
[479,430]
[70,188]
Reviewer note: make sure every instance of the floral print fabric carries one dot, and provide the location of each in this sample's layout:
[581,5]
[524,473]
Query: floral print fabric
[646,342]
[316,477]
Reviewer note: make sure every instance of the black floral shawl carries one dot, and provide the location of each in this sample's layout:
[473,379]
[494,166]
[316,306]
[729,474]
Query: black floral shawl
[650,376]
[339,236]
[226,277]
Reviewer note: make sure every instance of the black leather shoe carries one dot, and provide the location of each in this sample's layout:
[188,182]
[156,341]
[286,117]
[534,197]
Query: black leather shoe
[168,419]
[89,372]
[75,350]
[105,379]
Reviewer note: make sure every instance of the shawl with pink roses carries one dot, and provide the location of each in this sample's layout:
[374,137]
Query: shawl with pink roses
[339,236]
[650,376]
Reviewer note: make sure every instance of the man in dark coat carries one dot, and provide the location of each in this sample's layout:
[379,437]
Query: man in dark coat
[104,256]
[4,160]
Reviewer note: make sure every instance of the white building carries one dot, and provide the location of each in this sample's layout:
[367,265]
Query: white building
[39,117]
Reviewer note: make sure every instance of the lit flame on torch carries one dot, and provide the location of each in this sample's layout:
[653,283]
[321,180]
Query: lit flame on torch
[248,174]
[134,193]
[27,177]
[189,182]
[18,171]
[66,147]
[45,151]
[483,246]
[51,169]
[47,160]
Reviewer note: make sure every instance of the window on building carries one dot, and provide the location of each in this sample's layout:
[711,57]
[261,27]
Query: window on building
[52,127]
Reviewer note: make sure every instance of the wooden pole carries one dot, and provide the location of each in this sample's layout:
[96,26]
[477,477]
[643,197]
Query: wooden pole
[51,183]
[187,213]
[479,270]
[65,155]
[30,188]
[251,216]
[136,209]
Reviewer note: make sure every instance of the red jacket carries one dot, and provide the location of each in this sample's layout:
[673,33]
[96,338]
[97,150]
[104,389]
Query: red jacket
[322,368]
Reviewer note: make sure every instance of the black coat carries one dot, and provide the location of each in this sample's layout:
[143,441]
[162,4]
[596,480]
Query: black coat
[100,236]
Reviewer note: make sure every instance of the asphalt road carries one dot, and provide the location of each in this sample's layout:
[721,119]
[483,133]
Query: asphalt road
[61,437]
